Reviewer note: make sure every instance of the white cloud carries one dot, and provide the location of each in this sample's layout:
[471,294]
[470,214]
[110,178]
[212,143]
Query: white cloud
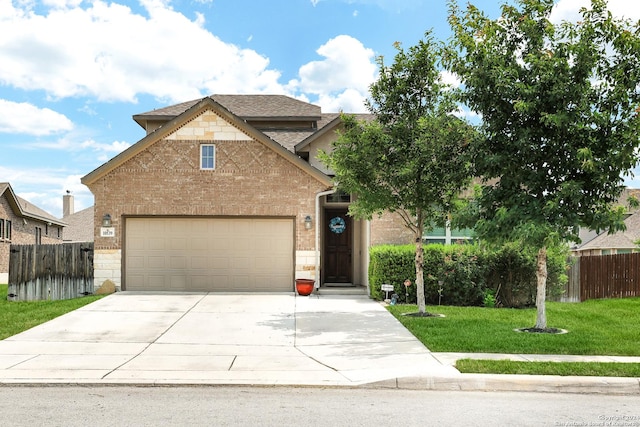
[45,187]
[25,118]
[347,63]
[349,101]
[62,4]
[107,51]
[103,151]
[449,78]
[343,77]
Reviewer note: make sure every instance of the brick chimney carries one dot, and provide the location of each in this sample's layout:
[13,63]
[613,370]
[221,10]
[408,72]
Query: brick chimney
[67,204]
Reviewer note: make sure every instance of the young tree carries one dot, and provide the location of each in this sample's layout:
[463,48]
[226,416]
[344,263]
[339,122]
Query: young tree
[410,158]
[559,106]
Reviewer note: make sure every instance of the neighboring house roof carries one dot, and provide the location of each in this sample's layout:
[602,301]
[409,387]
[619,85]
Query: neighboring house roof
[627,193]
[620,240]
[80,226]
[209,103]
[25,209]
[587,236]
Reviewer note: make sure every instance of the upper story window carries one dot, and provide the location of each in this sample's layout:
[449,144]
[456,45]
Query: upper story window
[7,234]
[207,157]
[1,229]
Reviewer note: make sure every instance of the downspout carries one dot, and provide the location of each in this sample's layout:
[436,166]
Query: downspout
[367,246]
[318,195]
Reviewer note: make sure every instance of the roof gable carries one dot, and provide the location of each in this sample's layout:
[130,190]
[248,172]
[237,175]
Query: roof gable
[25,209]
[620,240]
[172,129]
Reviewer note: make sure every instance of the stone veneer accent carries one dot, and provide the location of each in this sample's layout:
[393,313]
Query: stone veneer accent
[107,266]
[306,265]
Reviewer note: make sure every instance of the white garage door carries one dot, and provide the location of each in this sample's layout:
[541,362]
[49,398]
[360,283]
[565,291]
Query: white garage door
[209,254]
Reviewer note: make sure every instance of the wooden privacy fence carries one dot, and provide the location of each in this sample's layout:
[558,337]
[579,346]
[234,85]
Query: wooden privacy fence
[604,276]
[50,272]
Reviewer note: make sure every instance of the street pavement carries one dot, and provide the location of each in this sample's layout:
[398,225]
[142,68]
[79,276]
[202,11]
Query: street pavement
[256,339]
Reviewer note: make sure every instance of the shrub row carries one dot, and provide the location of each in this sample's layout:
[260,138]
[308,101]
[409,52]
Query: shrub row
[466,275]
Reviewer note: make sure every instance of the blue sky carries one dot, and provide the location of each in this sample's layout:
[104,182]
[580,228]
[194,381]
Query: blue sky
[73,72]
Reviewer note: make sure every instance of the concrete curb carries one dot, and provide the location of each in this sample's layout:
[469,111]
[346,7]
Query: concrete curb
[464,382]
[522,383]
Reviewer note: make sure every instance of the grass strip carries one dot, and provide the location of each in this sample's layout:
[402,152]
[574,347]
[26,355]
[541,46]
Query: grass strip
[596,327]
[18,316]
[596,369]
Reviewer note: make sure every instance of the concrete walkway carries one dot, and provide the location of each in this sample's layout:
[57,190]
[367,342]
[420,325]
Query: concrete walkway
[259,339]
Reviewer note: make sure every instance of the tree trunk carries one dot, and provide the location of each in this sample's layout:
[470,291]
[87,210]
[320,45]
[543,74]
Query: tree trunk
[420,275]
[419,260]
[541,276]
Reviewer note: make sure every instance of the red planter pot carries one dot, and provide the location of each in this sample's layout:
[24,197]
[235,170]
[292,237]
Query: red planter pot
[304,287]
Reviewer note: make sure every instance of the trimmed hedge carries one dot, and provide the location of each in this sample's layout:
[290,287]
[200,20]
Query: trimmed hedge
[471,275]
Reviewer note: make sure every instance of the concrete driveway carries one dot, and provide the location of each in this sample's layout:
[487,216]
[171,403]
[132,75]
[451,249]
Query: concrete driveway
[143,338]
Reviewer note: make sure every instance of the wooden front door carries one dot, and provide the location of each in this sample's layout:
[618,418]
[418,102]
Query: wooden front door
[338,245]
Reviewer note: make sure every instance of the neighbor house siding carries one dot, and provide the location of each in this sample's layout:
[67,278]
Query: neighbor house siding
[249,179]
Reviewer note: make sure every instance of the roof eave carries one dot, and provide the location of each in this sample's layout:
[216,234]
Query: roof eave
[325,129]
[20,212]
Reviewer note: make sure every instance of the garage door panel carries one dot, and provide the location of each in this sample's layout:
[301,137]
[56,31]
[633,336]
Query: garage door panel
[155,262]
[177,282]
[209,254]
[199,263]
[178,262]
[178,244]
[156,244]
[199,244]
[136,262]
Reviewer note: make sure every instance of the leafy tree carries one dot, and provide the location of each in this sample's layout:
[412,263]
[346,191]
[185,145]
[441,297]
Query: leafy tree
[410,158]
[559,106]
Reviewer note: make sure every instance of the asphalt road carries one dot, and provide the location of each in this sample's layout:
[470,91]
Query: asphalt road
[284,406]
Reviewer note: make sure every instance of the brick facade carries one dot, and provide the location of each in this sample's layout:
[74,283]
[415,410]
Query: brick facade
[165,179]
[390,229]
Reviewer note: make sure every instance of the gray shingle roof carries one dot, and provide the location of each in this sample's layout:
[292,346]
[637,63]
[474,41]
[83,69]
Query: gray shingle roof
[620,240]
[26,208]
[258,108]
[248,107]
[80,226]
[287,138]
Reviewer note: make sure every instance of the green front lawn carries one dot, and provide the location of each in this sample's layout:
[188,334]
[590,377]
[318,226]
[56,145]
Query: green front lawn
[16,317]
[597,327]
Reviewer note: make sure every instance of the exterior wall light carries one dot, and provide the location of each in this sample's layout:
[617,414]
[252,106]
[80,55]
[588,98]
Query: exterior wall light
[106,220]
[307,222]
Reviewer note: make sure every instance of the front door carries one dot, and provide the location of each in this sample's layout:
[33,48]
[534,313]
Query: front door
[337,246]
